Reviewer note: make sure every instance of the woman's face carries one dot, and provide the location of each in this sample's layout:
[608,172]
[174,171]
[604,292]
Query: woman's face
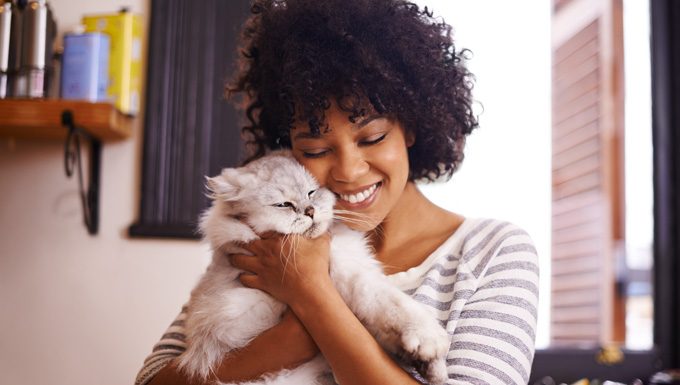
[365,164]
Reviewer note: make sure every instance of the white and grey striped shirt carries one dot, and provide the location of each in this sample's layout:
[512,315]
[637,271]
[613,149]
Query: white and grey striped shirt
[482,284]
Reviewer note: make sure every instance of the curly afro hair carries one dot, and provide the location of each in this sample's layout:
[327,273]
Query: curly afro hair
[384,56]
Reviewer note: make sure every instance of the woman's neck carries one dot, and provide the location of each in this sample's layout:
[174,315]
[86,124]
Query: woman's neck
[414,217]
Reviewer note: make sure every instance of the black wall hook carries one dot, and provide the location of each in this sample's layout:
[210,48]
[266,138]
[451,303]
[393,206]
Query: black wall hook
[72,159]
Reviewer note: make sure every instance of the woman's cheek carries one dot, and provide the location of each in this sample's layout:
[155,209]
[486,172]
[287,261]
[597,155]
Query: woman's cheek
[315,167]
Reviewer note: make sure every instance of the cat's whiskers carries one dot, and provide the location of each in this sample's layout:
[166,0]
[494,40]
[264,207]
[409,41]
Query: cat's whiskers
[290,242]
[353,216]
[345,214]
[296,242]
[341,211]
[285,242]
[352,220]
[212,371]
[379,231]
[360,219]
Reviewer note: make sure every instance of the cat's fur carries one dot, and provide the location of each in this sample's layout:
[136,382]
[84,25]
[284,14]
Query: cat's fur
[224,315]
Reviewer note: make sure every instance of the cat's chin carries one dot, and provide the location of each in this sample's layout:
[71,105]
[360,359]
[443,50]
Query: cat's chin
[314,230]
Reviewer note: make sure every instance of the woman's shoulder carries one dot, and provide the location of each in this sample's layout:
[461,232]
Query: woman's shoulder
[473,247]
[486,241]
[478,231]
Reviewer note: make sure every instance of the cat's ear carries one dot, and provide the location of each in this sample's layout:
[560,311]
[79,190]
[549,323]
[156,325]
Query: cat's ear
[219,188]
[229,185]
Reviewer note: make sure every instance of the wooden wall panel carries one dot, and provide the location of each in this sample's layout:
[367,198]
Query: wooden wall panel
[587,169]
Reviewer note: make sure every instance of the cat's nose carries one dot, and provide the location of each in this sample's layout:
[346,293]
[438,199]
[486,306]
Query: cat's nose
[309,211]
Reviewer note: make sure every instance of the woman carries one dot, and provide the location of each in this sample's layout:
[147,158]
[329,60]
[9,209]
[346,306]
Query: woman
[371,96]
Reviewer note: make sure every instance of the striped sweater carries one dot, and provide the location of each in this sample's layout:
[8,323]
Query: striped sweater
[482,284]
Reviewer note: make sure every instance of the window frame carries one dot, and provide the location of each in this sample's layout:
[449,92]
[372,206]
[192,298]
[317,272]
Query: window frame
[666,138]
[665,58]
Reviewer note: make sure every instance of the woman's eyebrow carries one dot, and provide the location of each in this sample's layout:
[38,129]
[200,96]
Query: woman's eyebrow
[306,135]
[368,119]
[359,125]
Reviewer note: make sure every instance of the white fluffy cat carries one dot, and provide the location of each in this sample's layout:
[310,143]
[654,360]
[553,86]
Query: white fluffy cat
[275,193]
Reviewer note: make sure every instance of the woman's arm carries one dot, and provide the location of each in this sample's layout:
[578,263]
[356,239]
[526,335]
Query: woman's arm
[352,352]
[305,285]
[286,345]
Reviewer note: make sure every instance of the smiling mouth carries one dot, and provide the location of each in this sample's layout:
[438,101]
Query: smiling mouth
[361,196]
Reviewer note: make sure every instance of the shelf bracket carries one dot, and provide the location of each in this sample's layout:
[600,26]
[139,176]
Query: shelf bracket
[89,198]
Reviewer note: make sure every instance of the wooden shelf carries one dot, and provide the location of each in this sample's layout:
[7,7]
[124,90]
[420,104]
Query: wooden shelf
[41,119]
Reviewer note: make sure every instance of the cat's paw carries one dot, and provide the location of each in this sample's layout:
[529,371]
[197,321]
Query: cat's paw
[435,371]
[426,343]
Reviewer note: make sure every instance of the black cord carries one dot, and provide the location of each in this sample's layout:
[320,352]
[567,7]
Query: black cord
[72,158]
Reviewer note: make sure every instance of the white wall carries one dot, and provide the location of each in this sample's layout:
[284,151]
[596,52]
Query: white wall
[506,173]
[76,309]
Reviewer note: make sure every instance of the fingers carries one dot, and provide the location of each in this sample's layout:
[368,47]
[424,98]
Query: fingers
[249,263]
[270,235]
[250,280]
[272,240]
[258,246]
[250,266]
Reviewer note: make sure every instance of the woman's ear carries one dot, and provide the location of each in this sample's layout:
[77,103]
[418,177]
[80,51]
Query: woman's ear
[410,137]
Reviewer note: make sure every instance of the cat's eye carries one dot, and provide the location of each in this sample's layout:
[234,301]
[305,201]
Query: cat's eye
[311,193]
[284,204]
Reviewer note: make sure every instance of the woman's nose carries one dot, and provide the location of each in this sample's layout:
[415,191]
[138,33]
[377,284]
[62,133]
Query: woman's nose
[349,167]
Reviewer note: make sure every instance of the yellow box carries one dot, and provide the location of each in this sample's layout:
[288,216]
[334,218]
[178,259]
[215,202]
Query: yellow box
[125,59]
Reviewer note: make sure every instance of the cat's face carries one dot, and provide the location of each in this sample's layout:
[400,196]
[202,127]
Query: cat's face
[275,193]
[289,206]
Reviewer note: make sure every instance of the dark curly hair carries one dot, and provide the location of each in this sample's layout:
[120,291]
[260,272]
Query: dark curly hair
[384,56]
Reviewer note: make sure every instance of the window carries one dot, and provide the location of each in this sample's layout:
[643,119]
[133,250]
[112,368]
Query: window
[597,234]
[190,130]
[596,302]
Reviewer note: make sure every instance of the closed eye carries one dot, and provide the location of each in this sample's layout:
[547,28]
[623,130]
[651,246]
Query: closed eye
[317,154]
[373,140]
[284,205]
[311,193]
[370,141]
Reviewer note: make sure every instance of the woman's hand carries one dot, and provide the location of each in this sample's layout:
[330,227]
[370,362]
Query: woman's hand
[298,275]
[294,339]
[286,267]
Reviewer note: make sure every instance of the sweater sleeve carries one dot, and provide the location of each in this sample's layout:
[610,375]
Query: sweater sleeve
[171,345]
[492,341]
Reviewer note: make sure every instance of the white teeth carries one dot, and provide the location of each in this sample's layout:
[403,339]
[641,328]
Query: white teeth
[360,196]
